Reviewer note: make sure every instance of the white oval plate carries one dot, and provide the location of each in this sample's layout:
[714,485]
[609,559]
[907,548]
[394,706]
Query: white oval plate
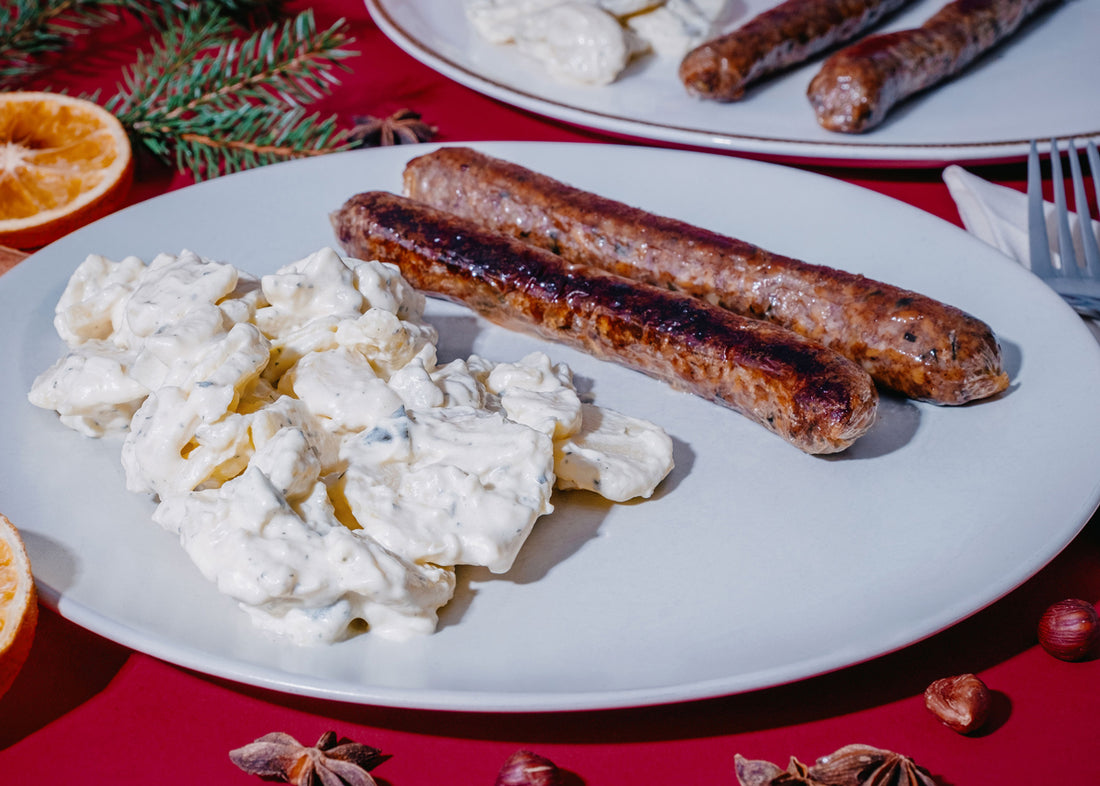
[754,565]
[1038,85]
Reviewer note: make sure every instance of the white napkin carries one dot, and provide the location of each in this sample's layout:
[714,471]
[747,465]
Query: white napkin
[998,215]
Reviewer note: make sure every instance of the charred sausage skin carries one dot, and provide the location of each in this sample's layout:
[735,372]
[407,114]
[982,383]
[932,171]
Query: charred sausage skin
[858,86]
[775,39]
[814,398]
[910,343]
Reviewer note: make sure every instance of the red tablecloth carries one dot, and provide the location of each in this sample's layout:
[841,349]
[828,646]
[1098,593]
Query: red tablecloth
[85,710]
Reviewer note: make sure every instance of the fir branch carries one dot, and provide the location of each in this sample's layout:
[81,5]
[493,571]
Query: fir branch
[33,30]
[213,104]
[161,74]
[292,63]
[256,143]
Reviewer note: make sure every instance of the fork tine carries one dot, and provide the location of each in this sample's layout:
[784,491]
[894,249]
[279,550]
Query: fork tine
[1079,288]
[1065,237]
[1038,240]
[1088,239]
[1094,165]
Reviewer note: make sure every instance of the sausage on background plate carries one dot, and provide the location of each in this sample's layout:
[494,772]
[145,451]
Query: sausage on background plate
[776,39]
[858,86]
[811,396]
[909,343]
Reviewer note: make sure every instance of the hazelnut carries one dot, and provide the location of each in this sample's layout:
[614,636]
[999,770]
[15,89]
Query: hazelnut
[1070,629]
[961,702]
[524,768]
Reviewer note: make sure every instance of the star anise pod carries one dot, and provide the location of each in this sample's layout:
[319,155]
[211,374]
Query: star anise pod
[402,127]
[864,765]
[331,762]
[757,772]
[852,765]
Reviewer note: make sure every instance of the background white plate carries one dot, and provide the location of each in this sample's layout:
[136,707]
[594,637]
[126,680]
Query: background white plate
[1041,83]
[754,565]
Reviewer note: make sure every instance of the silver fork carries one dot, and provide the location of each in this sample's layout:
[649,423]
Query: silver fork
[1076,280]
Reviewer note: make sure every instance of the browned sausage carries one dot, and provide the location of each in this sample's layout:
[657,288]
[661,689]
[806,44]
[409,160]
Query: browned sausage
[775,39]
[807,394]
[858,86]
[910,343]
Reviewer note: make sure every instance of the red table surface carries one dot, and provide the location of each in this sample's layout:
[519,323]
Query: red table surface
[86,710]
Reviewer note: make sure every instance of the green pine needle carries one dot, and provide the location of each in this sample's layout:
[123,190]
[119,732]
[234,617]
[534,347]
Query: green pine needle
[212,104]
[31,31]
[256,141]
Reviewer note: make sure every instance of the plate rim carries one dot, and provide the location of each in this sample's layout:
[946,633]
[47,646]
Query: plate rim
[822,152]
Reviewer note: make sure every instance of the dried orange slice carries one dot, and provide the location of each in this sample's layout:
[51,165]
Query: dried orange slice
[64,162]
[18,604]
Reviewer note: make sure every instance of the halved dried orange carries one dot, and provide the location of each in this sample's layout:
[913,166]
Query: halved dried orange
[64,162]
[18,604]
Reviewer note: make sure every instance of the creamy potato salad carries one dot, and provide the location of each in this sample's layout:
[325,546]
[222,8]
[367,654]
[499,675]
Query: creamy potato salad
[592,41]
[300,437]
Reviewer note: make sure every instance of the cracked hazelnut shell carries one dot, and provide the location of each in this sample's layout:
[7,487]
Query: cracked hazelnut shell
[961,703]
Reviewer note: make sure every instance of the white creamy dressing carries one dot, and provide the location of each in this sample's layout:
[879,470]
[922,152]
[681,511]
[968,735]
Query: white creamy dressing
[317,463]
[593,41]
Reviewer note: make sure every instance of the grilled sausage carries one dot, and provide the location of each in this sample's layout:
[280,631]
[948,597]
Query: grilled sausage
[775,39]
[910,343]
[805,393]
[858,86]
